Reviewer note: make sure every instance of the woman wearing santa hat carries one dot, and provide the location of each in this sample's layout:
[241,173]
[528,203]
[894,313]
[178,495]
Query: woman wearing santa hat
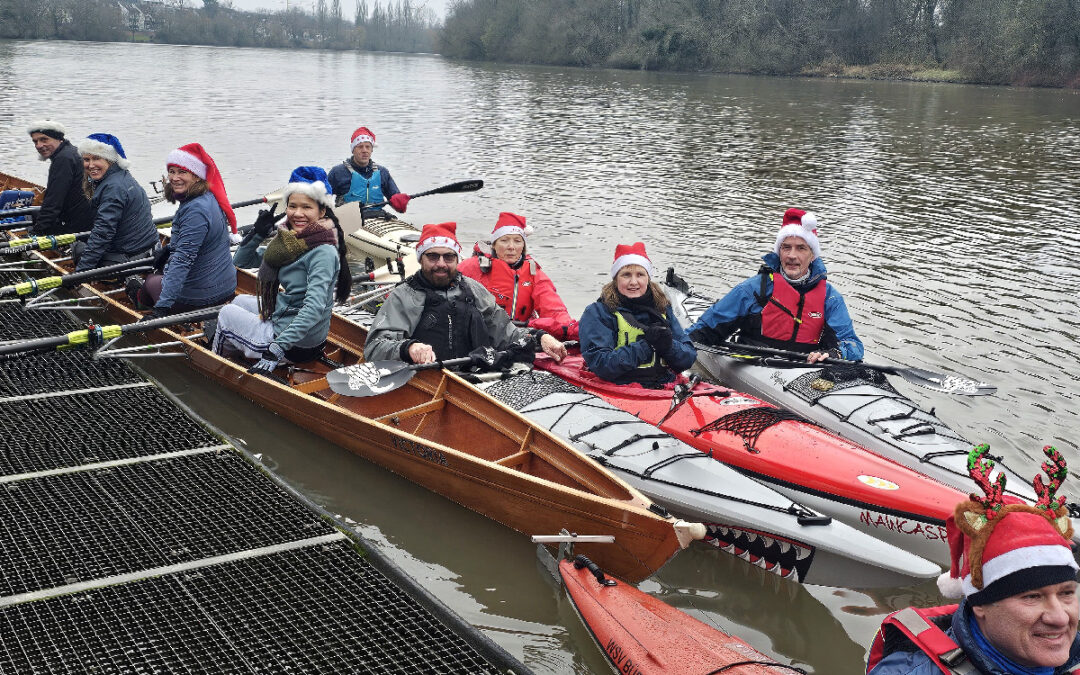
[301,272]
[519,285]
[199,272]
[358,179]
[630,335]
[123,227]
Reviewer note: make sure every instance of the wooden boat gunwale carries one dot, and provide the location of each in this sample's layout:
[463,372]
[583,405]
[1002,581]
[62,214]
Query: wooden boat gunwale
[506,493]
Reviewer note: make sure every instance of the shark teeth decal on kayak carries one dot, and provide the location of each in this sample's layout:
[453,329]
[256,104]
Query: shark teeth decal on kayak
[783,557]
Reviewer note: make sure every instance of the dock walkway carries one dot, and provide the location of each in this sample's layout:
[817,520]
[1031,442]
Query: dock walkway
[134,540]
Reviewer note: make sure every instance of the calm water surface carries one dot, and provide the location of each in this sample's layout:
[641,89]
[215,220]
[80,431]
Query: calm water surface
[948,217]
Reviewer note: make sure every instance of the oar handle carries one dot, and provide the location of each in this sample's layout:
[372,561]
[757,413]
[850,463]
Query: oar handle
[438,365]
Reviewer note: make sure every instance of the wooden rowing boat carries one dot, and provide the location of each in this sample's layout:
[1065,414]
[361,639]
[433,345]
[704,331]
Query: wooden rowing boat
[443,434]
[9,182]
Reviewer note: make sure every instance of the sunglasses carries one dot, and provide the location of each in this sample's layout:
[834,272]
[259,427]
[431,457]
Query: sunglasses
[433,257]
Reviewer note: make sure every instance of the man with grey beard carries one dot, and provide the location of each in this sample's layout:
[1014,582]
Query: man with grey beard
[65,209]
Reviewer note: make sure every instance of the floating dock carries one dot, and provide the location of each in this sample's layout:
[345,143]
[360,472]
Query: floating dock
[133,539]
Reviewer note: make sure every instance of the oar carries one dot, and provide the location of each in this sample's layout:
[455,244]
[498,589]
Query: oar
[157,221]
[236,205]
[41,243]
[379,377]
[948,384]
[460,186]
[33,286]
[21,211]
[95,335]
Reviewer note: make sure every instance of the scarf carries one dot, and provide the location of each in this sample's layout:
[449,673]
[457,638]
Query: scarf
[997,658]
[284,249]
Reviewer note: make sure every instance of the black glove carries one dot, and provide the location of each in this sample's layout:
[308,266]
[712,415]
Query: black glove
[271,357]
[155,313]
[485,358]
[264,224]
[161,257]
[660,339]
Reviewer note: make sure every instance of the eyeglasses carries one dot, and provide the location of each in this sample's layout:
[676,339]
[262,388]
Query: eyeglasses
[433,257]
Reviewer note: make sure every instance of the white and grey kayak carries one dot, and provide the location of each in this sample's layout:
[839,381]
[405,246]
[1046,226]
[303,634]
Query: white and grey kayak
[856,403]
[743,517]
[384,241]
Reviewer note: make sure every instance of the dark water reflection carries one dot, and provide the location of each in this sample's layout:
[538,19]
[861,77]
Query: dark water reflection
[947,217]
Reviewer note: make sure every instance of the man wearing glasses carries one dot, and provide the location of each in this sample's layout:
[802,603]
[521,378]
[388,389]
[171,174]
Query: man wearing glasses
[438,314]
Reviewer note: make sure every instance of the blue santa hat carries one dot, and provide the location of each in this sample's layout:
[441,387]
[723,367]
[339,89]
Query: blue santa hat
[312,182]
[107,147]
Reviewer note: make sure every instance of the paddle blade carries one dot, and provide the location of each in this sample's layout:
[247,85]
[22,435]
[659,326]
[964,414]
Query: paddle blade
[948,384]
[369,379]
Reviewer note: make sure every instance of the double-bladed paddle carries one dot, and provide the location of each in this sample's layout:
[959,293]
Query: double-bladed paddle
[460,186]
[96,335]
[372,378]
[948,384]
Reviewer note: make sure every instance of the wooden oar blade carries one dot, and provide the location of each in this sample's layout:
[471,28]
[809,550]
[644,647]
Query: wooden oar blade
[369,379]
[948,384]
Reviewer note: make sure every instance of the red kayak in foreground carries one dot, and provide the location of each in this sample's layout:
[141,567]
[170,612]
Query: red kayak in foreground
[641,635]
[803,461]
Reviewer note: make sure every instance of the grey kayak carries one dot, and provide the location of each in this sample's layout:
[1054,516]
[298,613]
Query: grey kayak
[743,517]
[855,403]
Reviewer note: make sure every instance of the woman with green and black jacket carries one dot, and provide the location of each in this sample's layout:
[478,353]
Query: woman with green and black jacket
[301,272]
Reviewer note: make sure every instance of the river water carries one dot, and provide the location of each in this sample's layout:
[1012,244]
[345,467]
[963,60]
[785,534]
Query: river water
[948,217]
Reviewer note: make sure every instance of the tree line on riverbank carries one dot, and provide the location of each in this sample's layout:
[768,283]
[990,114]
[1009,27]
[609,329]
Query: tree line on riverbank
[394,25]
[1029,42]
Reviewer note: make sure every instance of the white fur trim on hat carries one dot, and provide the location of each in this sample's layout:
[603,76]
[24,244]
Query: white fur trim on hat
[90,146]
[1004,564]
[631,259]
[437,242]
[46,125]
[188,161]
[316,190]
[801,231]
[362,138]
[506,230]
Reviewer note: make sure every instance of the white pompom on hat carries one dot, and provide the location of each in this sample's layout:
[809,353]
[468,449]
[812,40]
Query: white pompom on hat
[633,254]
[442,235]
[510,223]
[50,128]
[799,223]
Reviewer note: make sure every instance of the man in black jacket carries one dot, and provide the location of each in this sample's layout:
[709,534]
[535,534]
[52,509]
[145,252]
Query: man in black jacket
[65,208]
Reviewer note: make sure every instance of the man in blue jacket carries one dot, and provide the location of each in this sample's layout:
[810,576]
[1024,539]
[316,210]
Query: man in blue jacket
[358,179]
[788,304]
[1013,566]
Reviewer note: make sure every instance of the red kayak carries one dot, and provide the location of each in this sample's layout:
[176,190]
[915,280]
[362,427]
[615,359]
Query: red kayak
[640,634]
[794,457]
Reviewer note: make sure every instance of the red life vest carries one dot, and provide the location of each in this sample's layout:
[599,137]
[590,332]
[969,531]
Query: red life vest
[790,316]
[511,288]
[917,626]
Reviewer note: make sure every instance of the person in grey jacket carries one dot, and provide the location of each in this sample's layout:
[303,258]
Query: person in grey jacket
[305,257]
[438,314]
[200,271]
[65,209]
[123,227]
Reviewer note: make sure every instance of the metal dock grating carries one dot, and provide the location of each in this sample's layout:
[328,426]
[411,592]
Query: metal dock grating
[133,541]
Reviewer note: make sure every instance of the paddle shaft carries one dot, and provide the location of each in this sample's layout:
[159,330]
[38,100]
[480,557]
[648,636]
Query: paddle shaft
[83,336]
[460,186]
[792,356]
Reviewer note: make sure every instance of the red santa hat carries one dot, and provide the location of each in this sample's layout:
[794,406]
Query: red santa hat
[510,223]
[361,135]
[1001,546]
[799,223]
[443,235]
[192,157]
[634,254]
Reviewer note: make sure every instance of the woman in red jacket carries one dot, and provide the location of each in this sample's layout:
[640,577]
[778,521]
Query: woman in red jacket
[519,285]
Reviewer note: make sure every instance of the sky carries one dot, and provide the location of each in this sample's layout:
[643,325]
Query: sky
[348,7]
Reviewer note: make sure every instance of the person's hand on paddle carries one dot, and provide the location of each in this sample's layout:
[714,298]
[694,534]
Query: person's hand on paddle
[659,337]
[553,347]
[816,357]
[155,313]
[399,201]
[271,357]
[421,353]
